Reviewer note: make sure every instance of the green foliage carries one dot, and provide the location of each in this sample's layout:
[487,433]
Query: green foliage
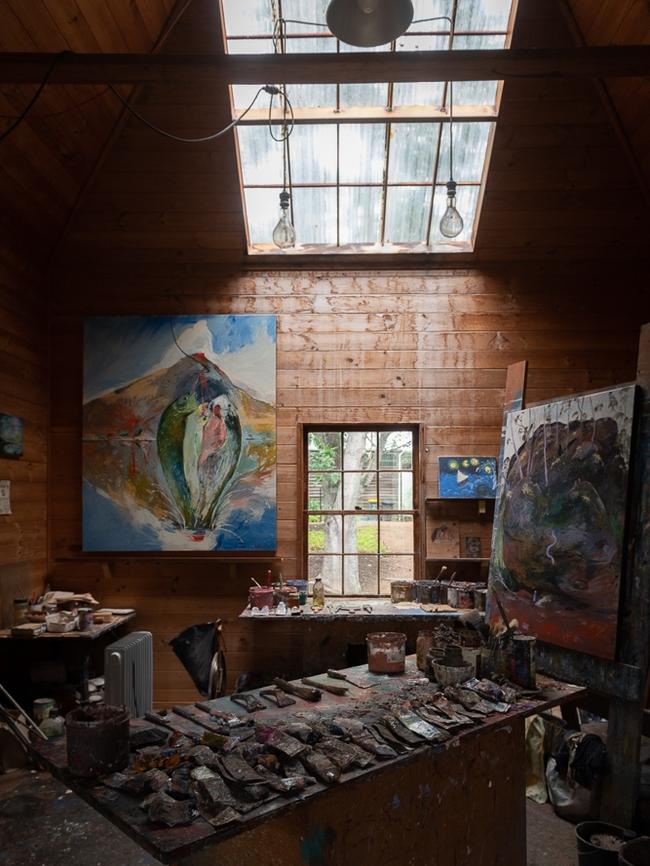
[366,540]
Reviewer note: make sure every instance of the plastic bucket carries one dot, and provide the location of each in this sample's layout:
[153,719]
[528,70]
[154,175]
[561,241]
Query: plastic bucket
[635,853]
[590,854]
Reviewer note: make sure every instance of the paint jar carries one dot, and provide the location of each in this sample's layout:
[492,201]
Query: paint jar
[301,587]
[440,591]
[402,590]
[386,652]
[423,591]
[480,599]
[465,598]
[452,595]
[21,609]
[86,618]
[42,708]
[523,661]
[260,596]
[423,646]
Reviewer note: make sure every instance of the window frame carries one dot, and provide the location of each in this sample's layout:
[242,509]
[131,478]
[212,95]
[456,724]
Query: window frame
[417,431]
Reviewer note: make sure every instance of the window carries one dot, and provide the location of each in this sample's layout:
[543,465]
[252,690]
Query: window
[367,163]
[360,507]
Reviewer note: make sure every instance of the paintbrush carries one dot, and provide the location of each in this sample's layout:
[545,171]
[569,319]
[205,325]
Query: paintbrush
[474,619]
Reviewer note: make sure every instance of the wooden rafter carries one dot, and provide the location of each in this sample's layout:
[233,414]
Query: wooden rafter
[475,65]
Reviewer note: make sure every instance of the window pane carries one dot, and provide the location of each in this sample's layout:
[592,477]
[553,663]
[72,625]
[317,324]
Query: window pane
[394,568]
[359,450]
[254,16]
[360,491]
[360,214]
[424,92]
[314,215]
[329,569]
[262,212]
[313,154]
[324,533]
[360,575]
[396,490]
[361,149]
[470,146]
[483,14]
[305,10]
[324,450]
[430,9]
[261,156]
[361,533]
[407,214]
[324,491]
[311,96]
[466,202]
[396,533]
[412,151]
[476,92]
[396,449]
[361,95]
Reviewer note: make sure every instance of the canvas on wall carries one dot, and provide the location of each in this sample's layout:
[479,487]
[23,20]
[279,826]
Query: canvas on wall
[11,436]
[560,519]
[179,433]
[467,477]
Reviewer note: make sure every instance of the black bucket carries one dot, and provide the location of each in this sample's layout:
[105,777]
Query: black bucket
[590,854]
[635,853]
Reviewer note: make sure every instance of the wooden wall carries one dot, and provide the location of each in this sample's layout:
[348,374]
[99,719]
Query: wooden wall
[23,392]
[428,347]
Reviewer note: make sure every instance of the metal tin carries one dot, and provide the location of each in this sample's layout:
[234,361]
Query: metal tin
[442,592]
[452,595]
[402,590]
[423,591]
[386,652]
[97,740]
[523,669]
[465,597]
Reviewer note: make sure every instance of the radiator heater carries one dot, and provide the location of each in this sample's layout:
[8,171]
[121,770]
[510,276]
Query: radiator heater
[128,673]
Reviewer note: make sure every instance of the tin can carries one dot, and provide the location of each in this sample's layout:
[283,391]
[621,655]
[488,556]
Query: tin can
[386,652]
[423,591]
[86,618]
[465,597]
[452,595]
[402,590]
[523,667]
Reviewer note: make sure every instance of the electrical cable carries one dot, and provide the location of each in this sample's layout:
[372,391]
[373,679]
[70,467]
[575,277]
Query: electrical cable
[23,114]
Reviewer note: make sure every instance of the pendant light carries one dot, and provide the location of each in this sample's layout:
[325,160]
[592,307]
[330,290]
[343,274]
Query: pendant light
[451,224]
[284,234]
[369,23]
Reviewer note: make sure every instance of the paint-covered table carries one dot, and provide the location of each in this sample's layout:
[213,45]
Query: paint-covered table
[364,609]
[460,803]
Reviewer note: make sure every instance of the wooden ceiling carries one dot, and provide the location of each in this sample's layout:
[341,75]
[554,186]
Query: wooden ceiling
[46,163]
[555,186]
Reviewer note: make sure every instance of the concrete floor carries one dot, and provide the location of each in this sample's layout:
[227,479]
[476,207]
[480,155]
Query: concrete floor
[43,824]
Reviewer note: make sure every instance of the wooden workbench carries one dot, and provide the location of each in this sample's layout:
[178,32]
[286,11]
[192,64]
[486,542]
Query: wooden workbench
[362,610]
[454,804]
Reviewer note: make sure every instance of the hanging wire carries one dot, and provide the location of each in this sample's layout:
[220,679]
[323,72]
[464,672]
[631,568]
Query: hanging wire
[32,102]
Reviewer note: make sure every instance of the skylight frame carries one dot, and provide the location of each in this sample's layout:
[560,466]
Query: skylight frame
[388,116]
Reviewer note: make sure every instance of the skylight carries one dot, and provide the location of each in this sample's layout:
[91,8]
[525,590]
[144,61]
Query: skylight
[367,163]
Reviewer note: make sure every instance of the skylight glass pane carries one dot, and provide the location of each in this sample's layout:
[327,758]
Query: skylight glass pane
[412,151]
[313,45]
[362,95]
[466,204]
[260,155]
[483,14]
[407,212]
[470,146]
[423,42]
[312,95]
[262,212]
[253,16]
[476,92]
[243,94]
[360,215]
[314,213]
[430,9]
[312,150]
[305,10]
[418,93]
[361,149]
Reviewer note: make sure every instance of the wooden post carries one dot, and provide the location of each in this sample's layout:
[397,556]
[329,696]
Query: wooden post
[621,787]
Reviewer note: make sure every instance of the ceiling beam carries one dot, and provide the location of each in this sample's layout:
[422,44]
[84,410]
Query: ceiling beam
[610,61]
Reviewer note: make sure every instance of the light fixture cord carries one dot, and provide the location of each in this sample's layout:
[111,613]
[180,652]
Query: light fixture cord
[32,102]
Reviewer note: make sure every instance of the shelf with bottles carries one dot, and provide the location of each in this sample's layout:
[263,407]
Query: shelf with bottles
[458,534]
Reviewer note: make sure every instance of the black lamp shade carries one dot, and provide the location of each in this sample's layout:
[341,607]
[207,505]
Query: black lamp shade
[368,23]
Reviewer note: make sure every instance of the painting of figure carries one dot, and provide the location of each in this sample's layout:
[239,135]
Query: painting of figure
[560,519]
[467,477]
[179,434]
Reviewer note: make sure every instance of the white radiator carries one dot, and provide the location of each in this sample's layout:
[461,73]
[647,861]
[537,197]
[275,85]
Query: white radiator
[128,671]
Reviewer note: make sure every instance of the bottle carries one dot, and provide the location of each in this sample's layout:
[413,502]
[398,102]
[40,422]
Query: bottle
[318,595]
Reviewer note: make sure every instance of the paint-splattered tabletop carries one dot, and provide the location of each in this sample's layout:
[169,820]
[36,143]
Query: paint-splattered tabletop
[359,610]
[171,844]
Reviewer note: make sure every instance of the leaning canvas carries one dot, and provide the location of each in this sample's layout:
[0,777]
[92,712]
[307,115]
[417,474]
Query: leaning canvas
[179,433]
[560,519]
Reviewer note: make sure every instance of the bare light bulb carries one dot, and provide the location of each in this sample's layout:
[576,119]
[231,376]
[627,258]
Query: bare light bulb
[284,234]
[451,224]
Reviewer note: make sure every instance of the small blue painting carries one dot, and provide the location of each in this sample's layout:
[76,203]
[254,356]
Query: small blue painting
[467,477]
[11,437]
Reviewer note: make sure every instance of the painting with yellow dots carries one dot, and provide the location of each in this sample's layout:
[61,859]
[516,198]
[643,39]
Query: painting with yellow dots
[467,477]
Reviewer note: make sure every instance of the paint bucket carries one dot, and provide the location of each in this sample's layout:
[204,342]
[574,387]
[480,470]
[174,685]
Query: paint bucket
[635,853]
[423,591]
[441,592]
[452,595]
[465,599]
[386,652]
[402,590]
[523,662]
[593,836]
[260,596]
[97,740]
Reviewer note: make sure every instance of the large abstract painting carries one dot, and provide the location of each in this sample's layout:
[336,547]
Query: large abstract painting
[560,519]
[179,435]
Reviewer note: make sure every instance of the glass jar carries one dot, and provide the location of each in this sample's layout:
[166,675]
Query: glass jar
[21,609]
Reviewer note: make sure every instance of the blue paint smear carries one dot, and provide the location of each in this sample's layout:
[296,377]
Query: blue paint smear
[107,527]
[244,532]
[314,847]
